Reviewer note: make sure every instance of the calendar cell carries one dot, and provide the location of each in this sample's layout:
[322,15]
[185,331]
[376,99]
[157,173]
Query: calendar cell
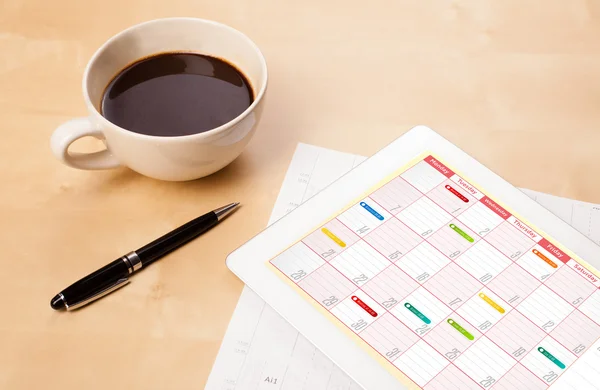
[453,239]
[452,197]
[389,337]
[298,262]
[576,333]
[484,310]
[548,360]
[585,374]
[539,263]
[516,335]
[509,241]
[423,177]
[518,377]
[396,195]
[330,240]
[390,287]
[513,285]
[358,311]
[452,337]
[327,286]
[591,307]
[364,216]
[485,362]
[483,262]
[393,239]
[453,286]
[424,217]
[421,311]
[359,263]
[545,308]
[451,378]
[480,219]
[423,262]
[571,286]
[421,363]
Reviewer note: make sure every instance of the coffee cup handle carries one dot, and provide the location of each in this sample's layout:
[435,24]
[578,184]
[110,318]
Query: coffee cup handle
[69,132]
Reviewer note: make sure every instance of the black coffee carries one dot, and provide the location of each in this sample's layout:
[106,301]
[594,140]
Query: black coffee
[174,94]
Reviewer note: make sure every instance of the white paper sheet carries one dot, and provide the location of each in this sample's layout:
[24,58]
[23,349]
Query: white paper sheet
[261,350]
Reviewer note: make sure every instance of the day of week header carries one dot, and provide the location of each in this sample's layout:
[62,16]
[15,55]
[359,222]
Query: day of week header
[584,272]
[547,245]
[467,187]
[495,207]
[529,232]
[444,170]
[560,255]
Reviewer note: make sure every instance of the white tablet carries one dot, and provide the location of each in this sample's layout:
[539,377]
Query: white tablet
[421,268]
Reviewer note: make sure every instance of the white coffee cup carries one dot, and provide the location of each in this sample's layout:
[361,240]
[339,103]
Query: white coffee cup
[174,158]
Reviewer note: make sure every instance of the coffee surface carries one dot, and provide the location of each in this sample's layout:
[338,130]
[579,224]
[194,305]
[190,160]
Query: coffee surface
[175,94]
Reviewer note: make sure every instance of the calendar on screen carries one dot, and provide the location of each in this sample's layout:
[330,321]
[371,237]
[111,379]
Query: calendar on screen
[450,289]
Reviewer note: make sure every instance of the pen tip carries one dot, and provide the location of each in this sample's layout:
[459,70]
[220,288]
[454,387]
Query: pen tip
[225,210]
[57,303]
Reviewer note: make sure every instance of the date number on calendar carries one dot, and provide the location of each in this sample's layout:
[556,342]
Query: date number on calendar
[298,275]
[332,300]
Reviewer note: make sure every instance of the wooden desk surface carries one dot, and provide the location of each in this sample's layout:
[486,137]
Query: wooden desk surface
[516,85]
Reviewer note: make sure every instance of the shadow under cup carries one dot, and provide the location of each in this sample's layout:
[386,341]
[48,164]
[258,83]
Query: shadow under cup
[179,157]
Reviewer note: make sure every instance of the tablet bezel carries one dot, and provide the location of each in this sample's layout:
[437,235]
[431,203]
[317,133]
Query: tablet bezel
[249,262]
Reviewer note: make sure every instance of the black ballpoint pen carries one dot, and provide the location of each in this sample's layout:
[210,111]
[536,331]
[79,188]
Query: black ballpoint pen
[115,275]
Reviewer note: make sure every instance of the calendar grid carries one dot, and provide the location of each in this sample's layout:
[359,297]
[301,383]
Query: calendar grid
[517,362]
[544,283]
[349,328]
[532,323]
[387,312]
[445,197]
[477,281]
[471,345]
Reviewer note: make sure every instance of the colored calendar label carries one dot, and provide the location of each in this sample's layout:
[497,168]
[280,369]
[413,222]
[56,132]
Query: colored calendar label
[450,288]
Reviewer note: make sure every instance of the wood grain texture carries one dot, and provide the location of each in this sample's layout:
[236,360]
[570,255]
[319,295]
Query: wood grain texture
[515,84]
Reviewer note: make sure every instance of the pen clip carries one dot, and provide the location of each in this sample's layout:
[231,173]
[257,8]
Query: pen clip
[99,294]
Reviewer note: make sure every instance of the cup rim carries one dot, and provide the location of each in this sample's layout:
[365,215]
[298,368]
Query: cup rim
[259,95]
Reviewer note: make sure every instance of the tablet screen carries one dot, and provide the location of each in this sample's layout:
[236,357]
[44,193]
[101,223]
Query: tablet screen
[448,288]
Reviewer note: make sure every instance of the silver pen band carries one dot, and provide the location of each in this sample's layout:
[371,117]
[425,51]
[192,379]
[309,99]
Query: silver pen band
[132,261]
